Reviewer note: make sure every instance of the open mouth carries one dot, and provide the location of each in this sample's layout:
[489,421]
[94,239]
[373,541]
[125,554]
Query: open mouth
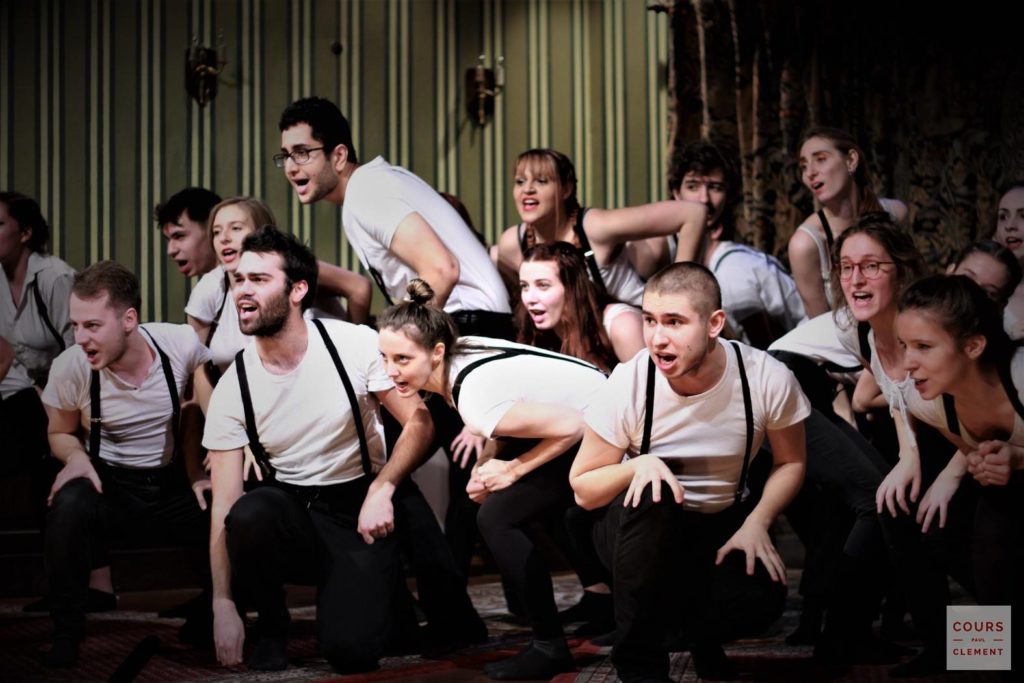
[301,185]
[182,265]
[228,255]
[1013,243]
[402,387]
[862,298]
[247,309]
[815,187]
[529,204]
[665,361]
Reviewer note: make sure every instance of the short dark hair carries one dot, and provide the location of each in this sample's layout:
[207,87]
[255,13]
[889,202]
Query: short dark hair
[299,262]
[114,280]
[703,157]
[329,125]
[26,212]
[693,280]
[196,202]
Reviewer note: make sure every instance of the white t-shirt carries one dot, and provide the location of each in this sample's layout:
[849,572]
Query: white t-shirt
[378,198]
[612,312]
[818,339]
[304,418]
[753,282]
[933,412]
[709,430]
[135,420]
[22,324]
[491,389]
[621,279]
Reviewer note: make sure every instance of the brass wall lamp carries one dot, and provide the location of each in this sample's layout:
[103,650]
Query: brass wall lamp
[482,86]
[202,67]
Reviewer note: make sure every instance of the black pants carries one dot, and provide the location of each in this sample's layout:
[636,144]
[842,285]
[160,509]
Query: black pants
[153,504]
[662,560]
[22,432]
[308,536]
[507,519]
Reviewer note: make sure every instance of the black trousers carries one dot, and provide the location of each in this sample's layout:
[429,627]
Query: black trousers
[22,432]
[662,560]
[507,521]
[154,504]
[308,536]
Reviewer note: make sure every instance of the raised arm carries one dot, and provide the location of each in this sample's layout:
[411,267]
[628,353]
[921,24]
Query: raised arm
[417,245]
[228,630]
[357,289]
[609,228]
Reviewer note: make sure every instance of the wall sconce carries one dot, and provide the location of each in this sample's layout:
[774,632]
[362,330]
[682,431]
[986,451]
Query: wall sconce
[482,86]
[202,66]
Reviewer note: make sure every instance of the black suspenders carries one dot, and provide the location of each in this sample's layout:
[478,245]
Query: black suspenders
[212,371]
[508,353]
[95,418]
[375,274]
[949,404]
[748,410]
[260,453]
[45,314]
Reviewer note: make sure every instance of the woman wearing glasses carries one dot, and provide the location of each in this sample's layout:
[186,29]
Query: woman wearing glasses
[835,170]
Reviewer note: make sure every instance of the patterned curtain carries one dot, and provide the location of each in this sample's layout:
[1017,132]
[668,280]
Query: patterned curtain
[935,97]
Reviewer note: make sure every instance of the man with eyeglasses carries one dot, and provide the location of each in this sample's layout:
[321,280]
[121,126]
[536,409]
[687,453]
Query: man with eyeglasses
[760,299]
[400,227]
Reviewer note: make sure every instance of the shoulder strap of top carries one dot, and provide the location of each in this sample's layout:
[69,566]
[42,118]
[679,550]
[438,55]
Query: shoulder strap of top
[357,415]
[862,340]
[524,240]
[258,451]
[829,237]
[172,388]
[503,354]
[45,314]
[952,422]
[1011,390]
[95,419]
[588,252]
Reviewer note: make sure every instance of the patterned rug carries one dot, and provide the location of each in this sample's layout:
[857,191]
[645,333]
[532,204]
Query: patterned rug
[113,636]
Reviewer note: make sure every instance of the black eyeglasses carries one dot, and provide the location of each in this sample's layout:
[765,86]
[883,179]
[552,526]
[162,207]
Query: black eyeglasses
[299,156]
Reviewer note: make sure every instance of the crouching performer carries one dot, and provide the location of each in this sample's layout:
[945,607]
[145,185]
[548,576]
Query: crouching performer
[305,397]
[690,413]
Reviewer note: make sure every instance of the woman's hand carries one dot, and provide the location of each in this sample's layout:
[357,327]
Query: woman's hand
[936,499]
[892,491]
[465,445]
[993,462]
[496,475]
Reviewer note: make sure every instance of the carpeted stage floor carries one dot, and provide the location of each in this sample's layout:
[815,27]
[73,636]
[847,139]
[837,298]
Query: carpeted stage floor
[113,636]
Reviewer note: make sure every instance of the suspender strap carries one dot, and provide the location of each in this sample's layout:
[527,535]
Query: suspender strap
[829,238]
[721,258]
[748,410]
[94,414]
[588,252]
[172,387]
[1011,391]
[45,314]
[862,338]
[212,371]
[375,274]
[524,240]
[357,415]
[95,419]
[645,444]
[507,353]
[952,423]
[258,451]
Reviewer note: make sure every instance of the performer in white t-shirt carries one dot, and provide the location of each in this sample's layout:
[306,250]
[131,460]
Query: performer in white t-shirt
[760,299]
[400,227]
[122,385]
[690,413]
[502,389]
[305,398]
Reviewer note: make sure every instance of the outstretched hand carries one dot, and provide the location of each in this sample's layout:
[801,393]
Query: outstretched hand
[753,540]
[651,470]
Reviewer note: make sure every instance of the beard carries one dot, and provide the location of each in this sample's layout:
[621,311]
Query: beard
[270,319]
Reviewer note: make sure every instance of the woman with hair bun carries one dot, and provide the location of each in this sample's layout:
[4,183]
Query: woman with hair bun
[833,167]
[968,382]
[531,398]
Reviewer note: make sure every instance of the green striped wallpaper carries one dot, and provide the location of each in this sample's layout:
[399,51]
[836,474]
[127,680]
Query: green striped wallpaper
[96,124]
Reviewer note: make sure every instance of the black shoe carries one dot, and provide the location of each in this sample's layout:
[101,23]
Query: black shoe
[928,663]
[531,665]
[269,655]
[96,601]
[711,663]
[591,607]
[63,654]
